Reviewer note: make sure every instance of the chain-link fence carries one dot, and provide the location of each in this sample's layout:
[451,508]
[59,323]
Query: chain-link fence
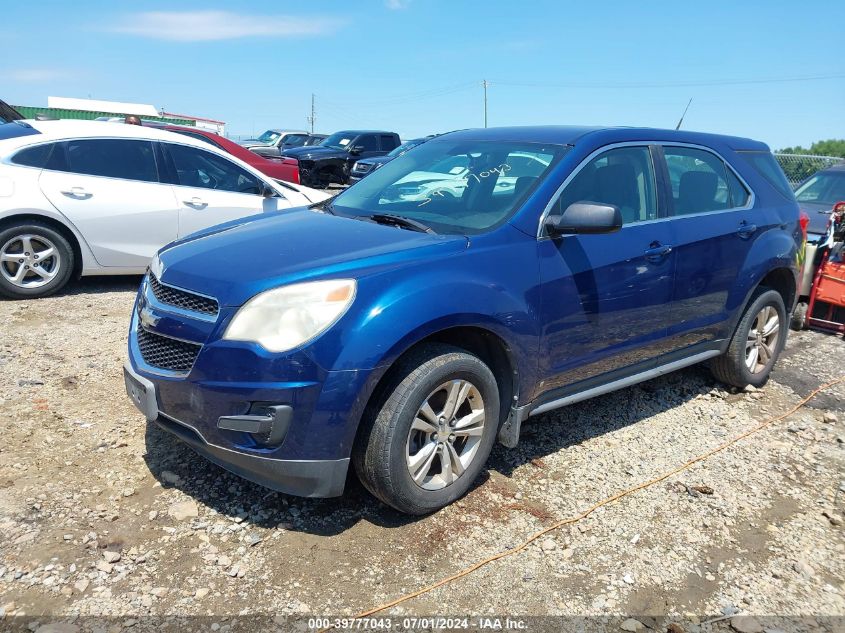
[799,167]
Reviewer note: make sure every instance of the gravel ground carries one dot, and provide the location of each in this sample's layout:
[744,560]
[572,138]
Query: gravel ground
[102,516]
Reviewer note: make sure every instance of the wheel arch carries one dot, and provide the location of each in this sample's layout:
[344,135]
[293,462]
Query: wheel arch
[57,225]
[478,340]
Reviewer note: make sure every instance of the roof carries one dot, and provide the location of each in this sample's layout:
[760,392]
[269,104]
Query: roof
[70,128]
[570,135]
[96,105]
[192,118]
[362,132]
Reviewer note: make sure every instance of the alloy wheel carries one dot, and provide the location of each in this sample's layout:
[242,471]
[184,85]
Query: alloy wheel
[445,435]
[29,261]
[763,338]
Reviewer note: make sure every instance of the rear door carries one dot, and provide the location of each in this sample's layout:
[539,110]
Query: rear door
[605,298]
[211,189]
[714,226]
[110,190]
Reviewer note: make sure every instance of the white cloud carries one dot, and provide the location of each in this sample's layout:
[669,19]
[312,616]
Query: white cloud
[397,4]
[36,75]
[207,26]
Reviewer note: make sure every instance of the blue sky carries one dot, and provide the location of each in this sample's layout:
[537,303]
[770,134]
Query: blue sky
[416,66]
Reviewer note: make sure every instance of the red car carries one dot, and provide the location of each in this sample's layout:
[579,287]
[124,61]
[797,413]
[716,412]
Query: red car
[282,169]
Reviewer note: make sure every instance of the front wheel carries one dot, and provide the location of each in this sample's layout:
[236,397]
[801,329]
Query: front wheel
[430,438]
[756,344]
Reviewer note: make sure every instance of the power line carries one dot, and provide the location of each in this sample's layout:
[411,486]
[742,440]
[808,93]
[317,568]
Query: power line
[681,84]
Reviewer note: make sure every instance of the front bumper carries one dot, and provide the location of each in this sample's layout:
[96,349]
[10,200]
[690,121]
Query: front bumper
[301,477]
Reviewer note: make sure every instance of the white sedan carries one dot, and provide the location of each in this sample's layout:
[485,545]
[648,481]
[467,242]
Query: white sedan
[89,198]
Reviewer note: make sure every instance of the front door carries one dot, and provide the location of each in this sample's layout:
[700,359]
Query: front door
[211,189]
[110,190]
[605,298]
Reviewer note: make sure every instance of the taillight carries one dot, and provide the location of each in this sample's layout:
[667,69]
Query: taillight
[804,221]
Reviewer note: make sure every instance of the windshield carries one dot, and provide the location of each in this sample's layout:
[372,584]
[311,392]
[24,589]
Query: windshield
[404,147]
[460,186]
[827,187]
[269,137]
[338,140]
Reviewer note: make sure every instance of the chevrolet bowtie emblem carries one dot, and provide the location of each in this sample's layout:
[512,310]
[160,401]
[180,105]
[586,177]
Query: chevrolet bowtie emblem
[148,319]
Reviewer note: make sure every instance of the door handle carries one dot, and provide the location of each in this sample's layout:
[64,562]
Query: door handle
[657,252]
[746,230]
[196,202]
[76,192]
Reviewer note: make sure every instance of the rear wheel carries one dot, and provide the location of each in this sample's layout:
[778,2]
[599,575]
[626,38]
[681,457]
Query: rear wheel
[429,439]
[35,260]
[756,344]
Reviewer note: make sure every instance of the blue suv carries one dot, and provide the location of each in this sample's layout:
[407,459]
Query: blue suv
[483,277]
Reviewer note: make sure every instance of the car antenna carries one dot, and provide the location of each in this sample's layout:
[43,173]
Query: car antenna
[678,127]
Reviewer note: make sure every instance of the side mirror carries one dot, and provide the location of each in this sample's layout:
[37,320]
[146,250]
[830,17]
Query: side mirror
[267,191]
[585,217]
[356,149]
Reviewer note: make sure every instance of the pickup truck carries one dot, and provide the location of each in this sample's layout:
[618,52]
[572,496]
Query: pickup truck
[332,160]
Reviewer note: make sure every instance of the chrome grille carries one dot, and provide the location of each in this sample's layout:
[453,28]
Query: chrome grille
[165,352]
[181,298]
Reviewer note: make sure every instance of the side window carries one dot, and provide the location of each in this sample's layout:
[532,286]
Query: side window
[112,158]
[37,156]
[367,142]
[197,168]
[699,180]
[739,194]
[388,142]
[623,177]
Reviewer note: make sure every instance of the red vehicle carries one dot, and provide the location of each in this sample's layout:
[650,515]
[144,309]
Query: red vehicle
[281,169]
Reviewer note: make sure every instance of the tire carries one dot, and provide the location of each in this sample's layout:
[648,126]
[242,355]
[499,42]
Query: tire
[388,448]
[732,367]
[16,240]
[799,316]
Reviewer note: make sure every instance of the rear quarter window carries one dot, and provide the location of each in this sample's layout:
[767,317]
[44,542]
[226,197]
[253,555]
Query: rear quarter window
[36,156]
[768,168]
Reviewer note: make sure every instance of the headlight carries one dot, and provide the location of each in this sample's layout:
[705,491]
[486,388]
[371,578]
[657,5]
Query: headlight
[287,317]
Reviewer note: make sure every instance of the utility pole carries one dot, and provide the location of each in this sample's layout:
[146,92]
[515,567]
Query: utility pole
[485,84]
[313,117]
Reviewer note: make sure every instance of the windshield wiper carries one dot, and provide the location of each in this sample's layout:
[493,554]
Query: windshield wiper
[400,221]
[324,205]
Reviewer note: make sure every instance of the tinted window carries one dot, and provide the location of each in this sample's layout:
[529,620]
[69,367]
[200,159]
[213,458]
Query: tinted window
[699,180]
[827,187]
[768,167]
[112,158]
[295,140]
[367,143]
[623,177]
[453,186]
[196,136]
[197,168]
[388,141]
[739,194]
[34,156]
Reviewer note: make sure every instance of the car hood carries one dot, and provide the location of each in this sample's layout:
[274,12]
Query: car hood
[236,261]
[252,142]
[819,215]
[311,152]
[376,160]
